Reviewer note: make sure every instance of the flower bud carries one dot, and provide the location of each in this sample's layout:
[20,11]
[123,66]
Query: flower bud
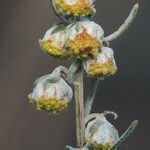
[101,133]
[102,65]
[84,38]
[71,9]
[53,42]
[51,96]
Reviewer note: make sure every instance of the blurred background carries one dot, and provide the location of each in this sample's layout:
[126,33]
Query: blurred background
[22,23]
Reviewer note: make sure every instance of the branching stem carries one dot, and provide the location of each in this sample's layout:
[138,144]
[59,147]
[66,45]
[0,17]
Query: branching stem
[125,25]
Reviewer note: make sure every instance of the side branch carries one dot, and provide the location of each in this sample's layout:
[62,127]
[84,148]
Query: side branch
[69,74]
[72,70]
[55,75]
[60,70]
[125,25]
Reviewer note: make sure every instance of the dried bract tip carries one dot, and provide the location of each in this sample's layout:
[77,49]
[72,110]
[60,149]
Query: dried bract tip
[84,39]
[51,96]
[107,112]
[54,41]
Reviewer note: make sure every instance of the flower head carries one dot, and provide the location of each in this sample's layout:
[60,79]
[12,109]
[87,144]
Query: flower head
[53,42]
[51,96]
[102,65]
[84,38]
[101,133]
[71,9]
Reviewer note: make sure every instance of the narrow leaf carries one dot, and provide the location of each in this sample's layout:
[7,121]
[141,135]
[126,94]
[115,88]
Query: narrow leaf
[125,136]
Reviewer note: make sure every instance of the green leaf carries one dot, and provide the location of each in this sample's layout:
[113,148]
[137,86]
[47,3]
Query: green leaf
[126,135]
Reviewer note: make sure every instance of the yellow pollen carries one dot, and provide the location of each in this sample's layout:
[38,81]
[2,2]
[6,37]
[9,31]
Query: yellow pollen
[97,69]
[105,146]
[83,45]
[80,8]
[51,105]
[54,51]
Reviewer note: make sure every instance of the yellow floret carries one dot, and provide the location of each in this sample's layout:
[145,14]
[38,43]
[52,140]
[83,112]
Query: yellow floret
[54,51]
[51,105]
[83,45]
[80,8]
[107,146]
[97,69]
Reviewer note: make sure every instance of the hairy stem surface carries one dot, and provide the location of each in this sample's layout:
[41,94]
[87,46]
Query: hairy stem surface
[79,102]
[125,25]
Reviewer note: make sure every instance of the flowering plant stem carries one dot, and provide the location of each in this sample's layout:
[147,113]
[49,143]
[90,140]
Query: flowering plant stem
[79,103]
[83,38]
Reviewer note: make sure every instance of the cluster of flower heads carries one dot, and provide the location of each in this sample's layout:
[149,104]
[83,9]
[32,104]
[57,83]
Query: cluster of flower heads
[79,38]
[83,40]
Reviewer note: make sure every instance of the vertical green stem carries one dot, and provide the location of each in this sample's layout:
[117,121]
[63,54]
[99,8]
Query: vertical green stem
[79,103]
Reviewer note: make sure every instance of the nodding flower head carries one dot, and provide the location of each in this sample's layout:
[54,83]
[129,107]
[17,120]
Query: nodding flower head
[51,96]
[84,38]
[53,42]
[70,9]
[101,133]
[102,65]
